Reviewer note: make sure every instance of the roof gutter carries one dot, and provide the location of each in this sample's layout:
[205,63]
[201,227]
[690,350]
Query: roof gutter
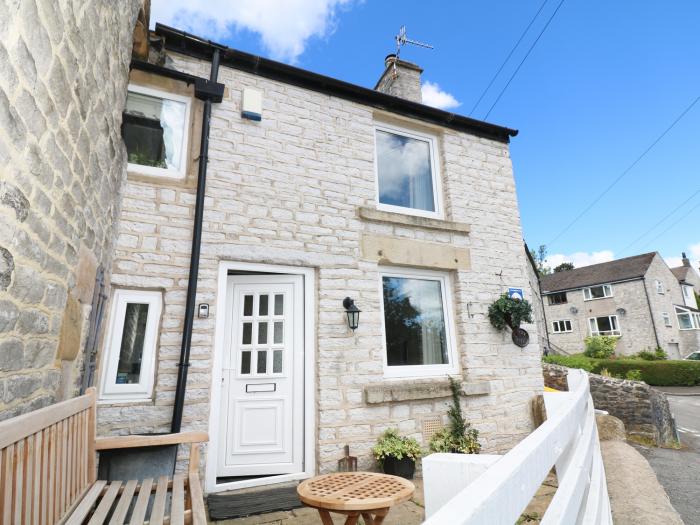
[580,287]
[191,45]
[209,91]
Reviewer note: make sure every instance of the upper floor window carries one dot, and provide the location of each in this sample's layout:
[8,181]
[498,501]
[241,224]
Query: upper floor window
[557,298]
[408,179]
[659,287]
[419,339]
[561,326]
[667,319]
[606,325]
[155,132]
[597,292]
[687,291]
[129,360]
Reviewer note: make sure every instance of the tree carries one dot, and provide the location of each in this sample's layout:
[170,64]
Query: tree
[563,267]
[540,258]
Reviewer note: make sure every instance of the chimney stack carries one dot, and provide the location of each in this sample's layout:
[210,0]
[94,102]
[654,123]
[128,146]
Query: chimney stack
[686,261]
[400,79]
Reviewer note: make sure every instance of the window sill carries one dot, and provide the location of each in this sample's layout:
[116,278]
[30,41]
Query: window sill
[409,390]
[375,215]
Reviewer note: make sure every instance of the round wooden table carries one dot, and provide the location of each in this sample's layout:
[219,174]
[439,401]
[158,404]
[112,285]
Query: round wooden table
[354,494]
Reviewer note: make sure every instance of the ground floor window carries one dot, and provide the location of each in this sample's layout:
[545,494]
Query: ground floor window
[129,359]
[561,326]
[688,319]
[606,325]
[417,323]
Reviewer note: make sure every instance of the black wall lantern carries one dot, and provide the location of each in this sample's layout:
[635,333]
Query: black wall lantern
[353,313]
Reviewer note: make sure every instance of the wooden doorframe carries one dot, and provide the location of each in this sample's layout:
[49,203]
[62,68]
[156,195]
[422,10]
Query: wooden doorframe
[309,379]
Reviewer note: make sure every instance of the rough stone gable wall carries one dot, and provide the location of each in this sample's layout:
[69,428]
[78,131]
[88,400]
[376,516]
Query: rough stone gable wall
[288,190]
[63,71]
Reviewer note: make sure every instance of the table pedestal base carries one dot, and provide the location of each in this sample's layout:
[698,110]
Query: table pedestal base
[371,517]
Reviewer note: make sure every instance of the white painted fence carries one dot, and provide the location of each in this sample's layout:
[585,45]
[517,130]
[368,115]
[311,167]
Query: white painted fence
[492,490]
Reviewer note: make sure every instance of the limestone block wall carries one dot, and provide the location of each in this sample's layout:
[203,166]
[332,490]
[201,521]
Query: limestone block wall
[63,70]
[288,190]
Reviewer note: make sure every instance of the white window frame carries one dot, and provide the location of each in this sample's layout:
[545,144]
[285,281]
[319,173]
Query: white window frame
[693,316]
[607,292]
[615,332]
[667,319]
[550,298]
[407,371]
[434,167]
[659,287]
[184,153]
[556,326]
[110,390]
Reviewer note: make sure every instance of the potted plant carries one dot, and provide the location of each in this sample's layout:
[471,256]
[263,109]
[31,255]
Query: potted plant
[458,437]
[511,312]
[397,454]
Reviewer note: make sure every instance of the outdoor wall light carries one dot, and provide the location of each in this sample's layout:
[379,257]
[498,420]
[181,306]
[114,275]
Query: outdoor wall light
[353,313]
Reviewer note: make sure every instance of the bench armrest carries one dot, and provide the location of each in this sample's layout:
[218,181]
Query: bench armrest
[110,443]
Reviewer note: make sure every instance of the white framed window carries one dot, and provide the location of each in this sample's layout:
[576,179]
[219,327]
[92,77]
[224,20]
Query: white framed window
[605,325]
[407,172]
[419,338]
[128,364]
[688,296]
[557,298]
[155,132]
[597,292]
[667,319]
[659,287]
[687,319]
[560,327]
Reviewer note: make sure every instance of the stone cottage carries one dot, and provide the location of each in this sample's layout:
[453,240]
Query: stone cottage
[322,198]
[62,163]
[638,299]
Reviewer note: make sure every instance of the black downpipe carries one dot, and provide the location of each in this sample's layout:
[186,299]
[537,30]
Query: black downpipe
[184,363]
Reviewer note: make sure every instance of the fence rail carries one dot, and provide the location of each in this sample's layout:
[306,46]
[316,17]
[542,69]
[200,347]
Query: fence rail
[499,494]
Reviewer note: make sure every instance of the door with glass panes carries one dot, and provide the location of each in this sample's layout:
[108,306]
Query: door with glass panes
[262,377]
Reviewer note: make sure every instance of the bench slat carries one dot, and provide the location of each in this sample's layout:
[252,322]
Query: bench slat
[124,502]
[100,514]
[29,480]
[177,505]
[139,513]
[82,510]
[199,515]
[6,473]
[158,511]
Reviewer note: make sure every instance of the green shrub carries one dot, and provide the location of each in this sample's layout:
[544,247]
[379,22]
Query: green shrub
[656,355]
[634,375]
[600,346]
[655,373]
[459,437]
[392,444]
[660,353]
[571,361]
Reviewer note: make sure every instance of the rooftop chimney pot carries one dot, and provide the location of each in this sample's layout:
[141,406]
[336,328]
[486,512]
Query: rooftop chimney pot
[686,261]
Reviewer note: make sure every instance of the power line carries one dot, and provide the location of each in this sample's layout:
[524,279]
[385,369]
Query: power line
[508,57]
[523,60]
[625,172]
[658,223]
[672,225]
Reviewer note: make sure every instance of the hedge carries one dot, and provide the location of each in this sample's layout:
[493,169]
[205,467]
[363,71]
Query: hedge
[654,373]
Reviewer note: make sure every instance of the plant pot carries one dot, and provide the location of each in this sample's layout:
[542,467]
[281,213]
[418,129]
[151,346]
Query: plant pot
[404,467]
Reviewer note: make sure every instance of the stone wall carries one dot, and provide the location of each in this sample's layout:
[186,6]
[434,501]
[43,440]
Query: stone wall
[644,411]
[293,190]
[63,71]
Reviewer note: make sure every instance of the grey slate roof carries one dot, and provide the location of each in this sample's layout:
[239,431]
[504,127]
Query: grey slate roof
[681,272]
[609,272]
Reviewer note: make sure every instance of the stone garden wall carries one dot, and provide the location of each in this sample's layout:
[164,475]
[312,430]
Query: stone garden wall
[63,73]
[644,411]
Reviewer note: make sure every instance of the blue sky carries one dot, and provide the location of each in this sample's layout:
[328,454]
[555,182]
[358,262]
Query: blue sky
[604,81]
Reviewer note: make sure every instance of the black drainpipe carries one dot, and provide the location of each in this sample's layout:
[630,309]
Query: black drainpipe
[651,313]
[209,91]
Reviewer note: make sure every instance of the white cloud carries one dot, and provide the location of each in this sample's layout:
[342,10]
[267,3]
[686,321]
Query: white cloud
[437,98]
[693,253]
[284,26]
[580,258]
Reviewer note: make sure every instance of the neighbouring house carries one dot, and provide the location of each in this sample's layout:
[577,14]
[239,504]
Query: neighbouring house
[64,70]
[638,299]
[317,191]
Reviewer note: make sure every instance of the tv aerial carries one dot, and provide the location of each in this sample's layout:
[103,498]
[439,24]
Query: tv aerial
[402,40]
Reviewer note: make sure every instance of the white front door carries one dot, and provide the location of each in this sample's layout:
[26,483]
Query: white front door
[262,412]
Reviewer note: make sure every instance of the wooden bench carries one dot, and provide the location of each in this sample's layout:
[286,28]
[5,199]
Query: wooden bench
[48,472]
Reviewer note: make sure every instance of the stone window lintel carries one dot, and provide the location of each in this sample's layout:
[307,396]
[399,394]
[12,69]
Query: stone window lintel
[409,390]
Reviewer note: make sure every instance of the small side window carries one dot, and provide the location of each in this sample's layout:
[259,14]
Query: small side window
[129,360]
